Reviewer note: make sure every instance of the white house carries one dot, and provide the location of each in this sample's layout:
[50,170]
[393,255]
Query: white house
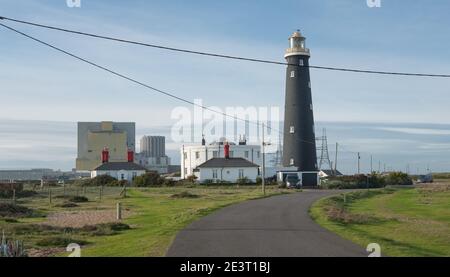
[119,170]
[195,155]
[226,169]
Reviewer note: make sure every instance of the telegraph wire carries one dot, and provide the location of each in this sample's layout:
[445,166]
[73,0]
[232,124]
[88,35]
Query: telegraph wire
[139,82]
[210,54]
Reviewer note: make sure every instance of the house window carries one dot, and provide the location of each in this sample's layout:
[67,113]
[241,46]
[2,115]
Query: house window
[214,174]
[292,162]
[241,173]
[292,74]
[215,154]
[197,155]
[300,62]
[292,130]
[246,154]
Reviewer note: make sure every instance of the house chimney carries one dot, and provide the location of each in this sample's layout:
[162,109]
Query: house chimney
[105,155]
[130,156]
[227,150]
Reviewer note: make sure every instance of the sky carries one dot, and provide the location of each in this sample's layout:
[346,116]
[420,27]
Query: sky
[400,119]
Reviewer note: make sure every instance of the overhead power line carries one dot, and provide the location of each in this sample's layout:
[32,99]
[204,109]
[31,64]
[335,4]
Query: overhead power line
[139,82]
[222,55]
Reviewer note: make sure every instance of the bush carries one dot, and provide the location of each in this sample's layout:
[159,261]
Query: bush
[67,205]
[354,182]
[243,181]
[185,194]
[105,229]
[148,179]
[258,180]
[12,211]
[191,178]
[118,183]
[101,180]
[78,199]
[398,178]
[6,189]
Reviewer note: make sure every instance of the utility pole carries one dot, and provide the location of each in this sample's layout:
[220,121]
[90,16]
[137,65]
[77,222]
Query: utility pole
[379,167]
[263,183]
[359,168]
[371,164]
[335,159]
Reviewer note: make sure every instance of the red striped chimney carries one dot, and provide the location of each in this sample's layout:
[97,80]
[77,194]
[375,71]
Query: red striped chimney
[130,156]
[227,150]
[105,155]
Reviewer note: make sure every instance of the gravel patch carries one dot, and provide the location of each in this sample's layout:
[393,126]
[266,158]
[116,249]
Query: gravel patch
[83,218]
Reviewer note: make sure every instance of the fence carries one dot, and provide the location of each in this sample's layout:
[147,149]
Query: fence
[53,193]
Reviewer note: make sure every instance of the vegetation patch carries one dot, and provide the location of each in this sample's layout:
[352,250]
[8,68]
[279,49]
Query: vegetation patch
[59,241]
[78,199]
[184,194]
[67,205]
[14,211]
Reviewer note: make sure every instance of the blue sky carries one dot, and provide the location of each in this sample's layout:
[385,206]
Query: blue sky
[40,84]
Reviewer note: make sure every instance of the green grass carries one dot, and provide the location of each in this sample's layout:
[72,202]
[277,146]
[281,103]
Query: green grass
[407,222]
[157,215]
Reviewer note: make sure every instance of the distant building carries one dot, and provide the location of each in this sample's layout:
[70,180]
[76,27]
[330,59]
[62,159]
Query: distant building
[328,172]
[226,169]
[119,170]
[153,146]
[93,137]
[195,155]
[159,164]
[153,154]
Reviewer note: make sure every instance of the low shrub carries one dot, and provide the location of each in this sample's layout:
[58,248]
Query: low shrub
[14,211]
[78,199]
[7,189]
[67,205]
[148,179]
[399,179]
[184,194]
[101,180]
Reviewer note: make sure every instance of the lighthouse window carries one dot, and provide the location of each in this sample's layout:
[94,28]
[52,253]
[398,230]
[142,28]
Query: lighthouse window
[309,84]
[300,62]
[311,106]
[291,161]
[292,130]
[292,74]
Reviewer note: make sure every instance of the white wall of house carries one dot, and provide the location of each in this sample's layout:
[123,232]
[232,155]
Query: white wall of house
[119,174]
[229,174]
[193,156]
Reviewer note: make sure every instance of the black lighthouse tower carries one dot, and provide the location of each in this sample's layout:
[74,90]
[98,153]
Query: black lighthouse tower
[299,148]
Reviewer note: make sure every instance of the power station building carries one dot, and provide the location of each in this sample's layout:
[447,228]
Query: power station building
[153,154]
[299,146]
[94,137]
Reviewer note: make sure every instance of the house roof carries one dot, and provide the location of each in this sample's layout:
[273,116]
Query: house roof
[223,162]
[119,166]
[330,172]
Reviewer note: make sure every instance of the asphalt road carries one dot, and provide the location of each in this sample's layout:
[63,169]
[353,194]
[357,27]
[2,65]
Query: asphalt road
[277,226]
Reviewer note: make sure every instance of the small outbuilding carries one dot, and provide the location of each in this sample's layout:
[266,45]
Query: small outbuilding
[226,169]
[119,170]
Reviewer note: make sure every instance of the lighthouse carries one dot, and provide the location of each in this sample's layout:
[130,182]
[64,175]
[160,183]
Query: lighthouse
[299,145]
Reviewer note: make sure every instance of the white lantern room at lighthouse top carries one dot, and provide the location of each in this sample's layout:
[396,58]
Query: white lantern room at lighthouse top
[297,45]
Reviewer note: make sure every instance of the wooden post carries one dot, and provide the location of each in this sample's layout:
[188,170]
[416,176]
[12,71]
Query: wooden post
[14,197]
[64,189]
[101,192]
[119,211]
[50,195]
